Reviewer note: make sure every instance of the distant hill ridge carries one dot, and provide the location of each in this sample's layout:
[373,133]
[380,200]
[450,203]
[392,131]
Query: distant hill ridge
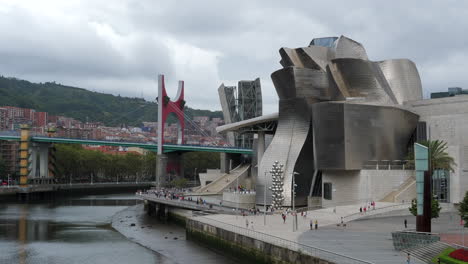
[81,104]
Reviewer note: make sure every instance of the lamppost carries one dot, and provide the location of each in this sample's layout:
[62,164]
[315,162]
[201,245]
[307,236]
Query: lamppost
[264,200]
[195,177]
[293,195]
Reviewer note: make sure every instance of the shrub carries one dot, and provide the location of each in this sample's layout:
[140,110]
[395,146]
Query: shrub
[460,254]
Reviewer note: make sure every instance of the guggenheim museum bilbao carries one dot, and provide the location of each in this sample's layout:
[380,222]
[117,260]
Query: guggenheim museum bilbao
[344,127]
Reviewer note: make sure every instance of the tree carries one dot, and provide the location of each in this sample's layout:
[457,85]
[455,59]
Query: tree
[3,168]
[463,209]
[435,208]
[178,183]
[439,159]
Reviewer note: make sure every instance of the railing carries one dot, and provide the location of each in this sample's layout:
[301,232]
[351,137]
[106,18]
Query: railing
[376,211]
[149,143]
[210,207]
[281,242]
[388,165]
[14,186]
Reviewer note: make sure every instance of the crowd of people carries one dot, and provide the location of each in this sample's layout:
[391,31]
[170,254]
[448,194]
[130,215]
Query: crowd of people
[179,194]
[241,189]
[175,194]
[367,207]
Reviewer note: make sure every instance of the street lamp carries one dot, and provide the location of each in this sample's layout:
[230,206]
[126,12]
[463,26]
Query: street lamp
[195,177]
[293,195]
[264,200]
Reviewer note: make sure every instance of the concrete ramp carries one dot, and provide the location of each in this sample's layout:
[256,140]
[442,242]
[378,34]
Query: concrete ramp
[226,180]
[406,191]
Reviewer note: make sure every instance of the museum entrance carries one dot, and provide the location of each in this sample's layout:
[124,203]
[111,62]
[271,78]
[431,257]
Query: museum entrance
[440,185]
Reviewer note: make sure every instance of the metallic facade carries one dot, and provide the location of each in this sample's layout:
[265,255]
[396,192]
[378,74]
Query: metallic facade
[360,133]
[337,110]
[246,104]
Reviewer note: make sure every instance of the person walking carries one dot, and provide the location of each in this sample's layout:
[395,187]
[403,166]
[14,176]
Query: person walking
[408,259]
[406,223]
[283,215]
[360,209]
[316,224]
[246,223]
[311,224]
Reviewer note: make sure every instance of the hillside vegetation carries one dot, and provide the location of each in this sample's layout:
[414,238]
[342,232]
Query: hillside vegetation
[83,105]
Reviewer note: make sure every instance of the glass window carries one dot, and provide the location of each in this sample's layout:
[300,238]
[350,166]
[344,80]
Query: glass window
[327,190]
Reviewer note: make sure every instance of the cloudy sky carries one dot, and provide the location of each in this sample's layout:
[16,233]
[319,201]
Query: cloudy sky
[121,46]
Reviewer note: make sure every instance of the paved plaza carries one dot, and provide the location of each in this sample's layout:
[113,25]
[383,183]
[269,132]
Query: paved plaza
[368,239]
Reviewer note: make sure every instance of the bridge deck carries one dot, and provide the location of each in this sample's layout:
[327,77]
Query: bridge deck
[191,205]
[152,147]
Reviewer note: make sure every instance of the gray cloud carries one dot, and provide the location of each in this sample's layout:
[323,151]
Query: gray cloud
[120,48]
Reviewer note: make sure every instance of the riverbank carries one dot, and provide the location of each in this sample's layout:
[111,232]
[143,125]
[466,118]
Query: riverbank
[168,239]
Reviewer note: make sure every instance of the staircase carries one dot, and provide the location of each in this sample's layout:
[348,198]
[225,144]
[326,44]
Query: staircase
[225,181]
[391,197]
[427,252]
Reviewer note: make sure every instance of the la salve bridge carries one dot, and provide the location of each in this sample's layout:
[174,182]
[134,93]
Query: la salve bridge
[37,153]
[167,148]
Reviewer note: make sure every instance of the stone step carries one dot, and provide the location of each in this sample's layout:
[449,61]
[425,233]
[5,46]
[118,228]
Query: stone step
[427,252]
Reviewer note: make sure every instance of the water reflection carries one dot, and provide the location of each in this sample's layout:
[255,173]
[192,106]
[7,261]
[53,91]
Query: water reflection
[68,231]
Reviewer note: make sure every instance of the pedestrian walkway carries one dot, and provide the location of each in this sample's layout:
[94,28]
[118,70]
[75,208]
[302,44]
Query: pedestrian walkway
[371,242]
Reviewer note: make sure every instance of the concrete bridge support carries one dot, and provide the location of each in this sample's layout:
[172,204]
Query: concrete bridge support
[37,160]
[157,209]
[169,167]
[229,161]
[41,163]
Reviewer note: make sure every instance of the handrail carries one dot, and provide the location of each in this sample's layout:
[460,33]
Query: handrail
[279,241]
[373,212]
[418,232]
[146,143]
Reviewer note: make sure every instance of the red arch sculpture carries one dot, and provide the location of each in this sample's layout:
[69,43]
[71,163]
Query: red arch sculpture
[165,107]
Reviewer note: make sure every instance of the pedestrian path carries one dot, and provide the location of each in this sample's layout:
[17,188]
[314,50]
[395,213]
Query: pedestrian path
[224,181]
[371,244]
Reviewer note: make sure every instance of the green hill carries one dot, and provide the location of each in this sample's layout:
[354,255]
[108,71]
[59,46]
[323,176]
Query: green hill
[81,104]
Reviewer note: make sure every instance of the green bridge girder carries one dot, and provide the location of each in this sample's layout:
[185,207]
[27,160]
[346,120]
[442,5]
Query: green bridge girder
[151,147]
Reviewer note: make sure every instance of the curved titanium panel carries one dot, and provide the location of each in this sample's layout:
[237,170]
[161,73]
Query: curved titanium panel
[286,147]
[292,82]
[320,56]
[403,78]
[361,78]
[348,48]
[348,135]
[292,58]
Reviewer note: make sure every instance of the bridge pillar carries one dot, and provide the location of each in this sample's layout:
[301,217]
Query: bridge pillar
[169,164]
[24,155]
[42,163]
[229,161]
[165,107]
[224,160]
[169,167]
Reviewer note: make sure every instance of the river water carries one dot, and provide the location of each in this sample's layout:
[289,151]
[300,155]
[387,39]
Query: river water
[78,230]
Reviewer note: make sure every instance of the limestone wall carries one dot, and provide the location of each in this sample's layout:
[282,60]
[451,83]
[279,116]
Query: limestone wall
[243,200]
[245,247]
[351,187]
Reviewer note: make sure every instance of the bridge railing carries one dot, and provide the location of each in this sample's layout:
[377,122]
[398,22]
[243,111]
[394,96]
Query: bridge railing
[281,242]
[148,143]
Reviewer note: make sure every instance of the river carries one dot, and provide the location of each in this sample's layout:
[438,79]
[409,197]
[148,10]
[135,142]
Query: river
[78,230]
